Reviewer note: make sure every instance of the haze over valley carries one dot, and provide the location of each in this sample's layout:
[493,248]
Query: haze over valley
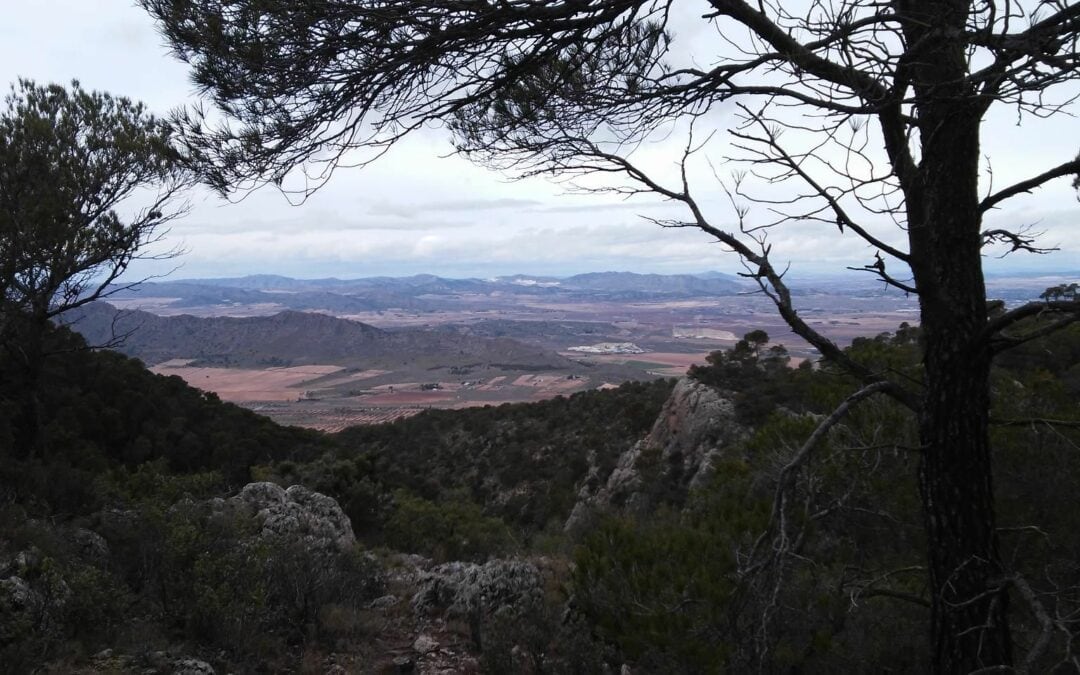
[329,353]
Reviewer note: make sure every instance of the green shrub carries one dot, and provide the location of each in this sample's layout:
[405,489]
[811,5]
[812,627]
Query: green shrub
[456,529]
[535,638]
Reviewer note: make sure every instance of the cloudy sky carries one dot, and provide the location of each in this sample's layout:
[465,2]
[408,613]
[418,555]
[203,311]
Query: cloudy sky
[419,210]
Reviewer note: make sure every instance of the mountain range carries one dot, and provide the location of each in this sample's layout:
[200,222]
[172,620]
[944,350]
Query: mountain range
[292,338]
[423,292]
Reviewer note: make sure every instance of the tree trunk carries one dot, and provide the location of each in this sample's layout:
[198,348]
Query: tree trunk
[968,610]
[969,620]
[28,364]
[969,614]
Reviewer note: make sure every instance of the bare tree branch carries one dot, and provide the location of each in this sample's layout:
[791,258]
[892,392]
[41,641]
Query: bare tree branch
[1071,168]
[1067,310]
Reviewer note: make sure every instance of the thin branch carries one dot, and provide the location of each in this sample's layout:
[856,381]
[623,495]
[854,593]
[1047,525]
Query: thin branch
[896,595]
[783,481]
[1033,421]
[994,335]
[1071,168]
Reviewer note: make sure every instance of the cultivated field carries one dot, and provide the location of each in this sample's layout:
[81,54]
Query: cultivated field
[665,364]
[240,385]
[325,397]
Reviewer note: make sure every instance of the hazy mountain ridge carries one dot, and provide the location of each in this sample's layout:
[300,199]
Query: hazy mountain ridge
[375,293]
[426,292]
[292,338]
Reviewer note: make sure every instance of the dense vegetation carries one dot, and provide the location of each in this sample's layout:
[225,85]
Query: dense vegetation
[100,412]
[725,584]
[708,581]
[133,456]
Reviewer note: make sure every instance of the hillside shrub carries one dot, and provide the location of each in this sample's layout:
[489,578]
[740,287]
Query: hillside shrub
[454,529]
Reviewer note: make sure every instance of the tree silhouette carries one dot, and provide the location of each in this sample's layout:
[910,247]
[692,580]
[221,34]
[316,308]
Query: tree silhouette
[862,112]
[68,159]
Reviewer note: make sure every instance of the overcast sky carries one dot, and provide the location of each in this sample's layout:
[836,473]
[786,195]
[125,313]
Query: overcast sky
[418,210]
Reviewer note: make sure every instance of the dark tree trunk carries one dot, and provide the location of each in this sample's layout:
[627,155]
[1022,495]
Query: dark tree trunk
[969,621]
[969,613]
[29,357]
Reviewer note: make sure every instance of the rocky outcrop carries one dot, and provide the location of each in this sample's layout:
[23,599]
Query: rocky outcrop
[90,546]
[312,517]
[468,589]
[33,596]
[496,593]
[147,663]
[189,666]
[695,428]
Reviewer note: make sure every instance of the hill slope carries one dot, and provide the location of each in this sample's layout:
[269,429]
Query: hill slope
[295,338]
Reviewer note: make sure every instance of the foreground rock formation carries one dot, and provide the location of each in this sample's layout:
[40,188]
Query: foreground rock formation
[695,428]
[314,518]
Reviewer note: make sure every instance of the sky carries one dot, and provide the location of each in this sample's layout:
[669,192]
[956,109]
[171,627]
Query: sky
[422,210]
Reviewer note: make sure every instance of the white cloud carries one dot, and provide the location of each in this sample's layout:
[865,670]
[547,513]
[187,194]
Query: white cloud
[420,210]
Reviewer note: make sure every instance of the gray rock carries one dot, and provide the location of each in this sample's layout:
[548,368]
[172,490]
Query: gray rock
[317,519]
[187,666]
[118,521]
[90,545]
[262,494]
[403,664]
[694,429]
[414,560]
[17,594]
[27,561]
[466,589]
[384,601]
[424,644]
[36,601]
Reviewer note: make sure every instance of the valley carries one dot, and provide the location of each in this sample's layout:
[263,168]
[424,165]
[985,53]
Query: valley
[331,353]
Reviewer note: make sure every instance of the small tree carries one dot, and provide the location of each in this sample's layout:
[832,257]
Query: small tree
[871,111]
[68,159]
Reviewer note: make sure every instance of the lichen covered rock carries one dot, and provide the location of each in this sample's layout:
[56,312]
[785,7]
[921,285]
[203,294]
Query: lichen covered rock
[466,589]
[296,511]
[189,666]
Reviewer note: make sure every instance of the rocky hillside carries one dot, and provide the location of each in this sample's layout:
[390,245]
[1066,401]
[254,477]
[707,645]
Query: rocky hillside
[661,527]
[696,427]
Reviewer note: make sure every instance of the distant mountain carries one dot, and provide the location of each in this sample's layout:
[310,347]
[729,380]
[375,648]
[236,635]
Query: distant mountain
[261,282]
[427,292]
[296,338]
[424,291]
[661,284]
[712,274]
[330,295]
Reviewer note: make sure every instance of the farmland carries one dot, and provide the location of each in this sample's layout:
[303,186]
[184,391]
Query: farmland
[414,343]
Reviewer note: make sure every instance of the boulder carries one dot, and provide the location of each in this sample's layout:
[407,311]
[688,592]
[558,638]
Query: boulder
[90,546]
[17,595]
[384,602]
[469,589]
[189,666]
[424,644]
[315,518]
